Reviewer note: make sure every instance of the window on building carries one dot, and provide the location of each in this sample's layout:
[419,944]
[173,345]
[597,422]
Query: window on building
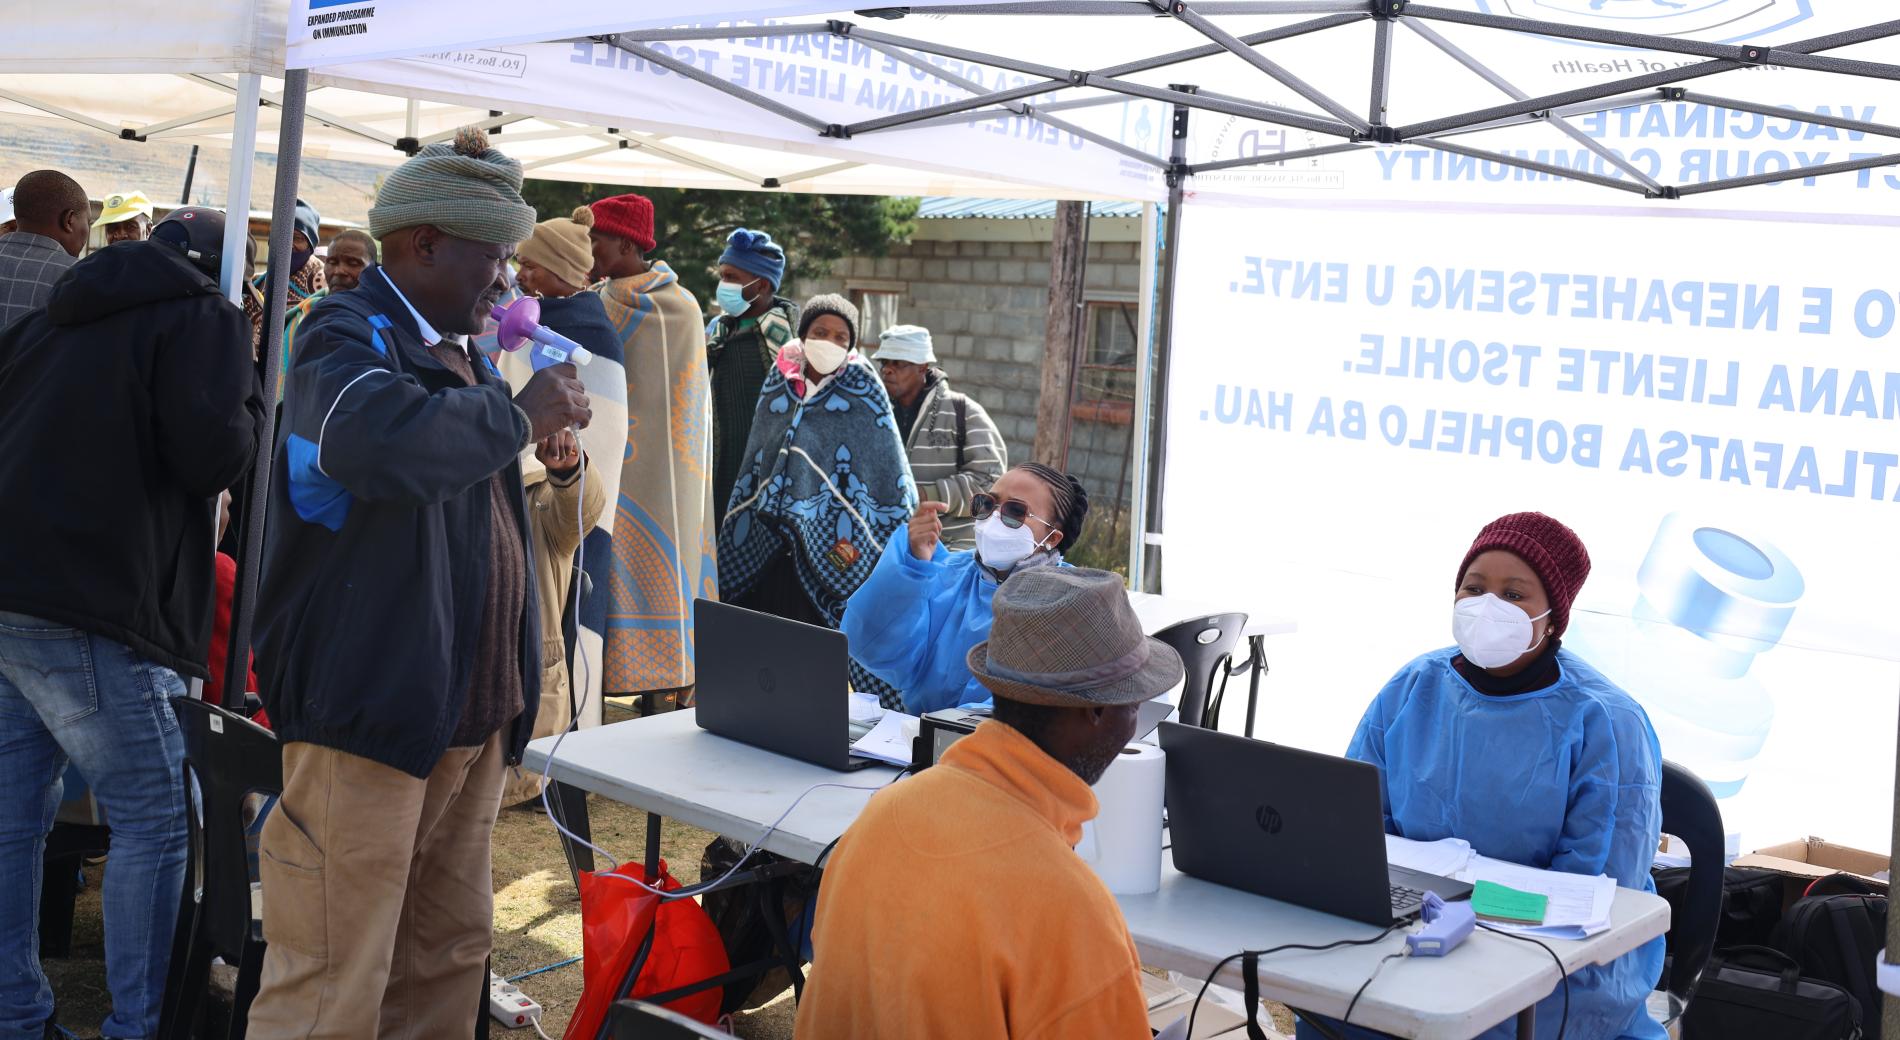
[1105,379]
[877,311]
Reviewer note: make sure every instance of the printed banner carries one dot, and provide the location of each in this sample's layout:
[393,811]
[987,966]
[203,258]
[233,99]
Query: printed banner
[1717,420]
[1381,351]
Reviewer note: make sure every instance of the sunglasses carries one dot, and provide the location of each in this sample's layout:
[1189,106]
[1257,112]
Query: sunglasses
[1012,511]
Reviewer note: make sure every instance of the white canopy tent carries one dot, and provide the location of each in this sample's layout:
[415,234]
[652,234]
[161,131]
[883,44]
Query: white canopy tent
[1526,103]
[1100,91]
[1296,104]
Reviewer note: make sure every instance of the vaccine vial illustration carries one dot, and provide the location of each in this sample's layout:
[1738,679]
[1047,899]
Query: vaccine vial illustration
[1711,600]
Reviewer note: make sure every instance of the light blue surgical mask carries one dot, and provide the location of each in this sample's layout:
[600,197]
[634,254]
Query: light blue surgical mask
[731,297]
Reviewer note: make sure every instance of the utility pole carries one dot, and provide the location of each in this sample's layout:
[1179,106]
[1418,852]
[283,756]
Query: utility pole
[1066,261]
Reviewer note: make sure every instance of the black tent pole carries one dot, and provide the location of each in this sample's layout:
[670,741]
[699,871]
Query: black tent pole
[1164,349]
[283,219]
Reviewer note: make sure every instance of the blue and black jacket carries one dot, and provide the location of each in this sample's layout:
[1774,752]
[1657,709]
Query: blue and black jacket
[376,561]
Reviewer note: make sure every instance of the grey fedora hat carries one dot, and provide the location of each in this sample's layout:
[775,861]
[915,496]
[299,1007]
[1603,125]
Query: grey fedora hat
[1066,636]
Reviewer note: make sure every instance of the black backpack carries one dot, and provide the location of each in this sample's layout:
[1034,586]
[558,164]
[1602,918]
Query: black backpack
[1751,907]
[1758,992]
[1751,904]
[1837,938]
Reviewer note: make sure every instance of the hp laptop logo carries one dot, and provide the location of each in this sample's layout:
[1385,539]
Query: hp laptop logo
[766,682]
[1268,818]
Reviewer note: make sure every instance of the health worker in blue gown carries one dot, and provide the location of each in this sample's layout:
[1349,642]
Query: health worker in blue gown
[913,622]
[1519,747]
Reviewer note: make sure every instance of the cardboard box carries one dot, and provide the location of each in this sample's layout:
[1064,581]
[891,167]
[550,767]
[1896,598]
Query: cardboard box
[1804,861]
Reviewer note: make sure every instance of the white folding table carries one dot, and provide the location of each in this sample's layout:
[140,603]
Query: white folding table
[667,766]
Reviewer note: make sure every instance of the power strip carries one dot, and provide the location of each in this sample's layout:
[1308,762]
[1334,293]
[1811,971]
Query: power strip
[510,1006]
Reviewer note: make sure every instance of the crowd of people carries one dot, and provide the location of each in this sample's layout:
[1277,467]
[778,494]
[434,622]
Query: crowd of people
[416,620]
[462,548]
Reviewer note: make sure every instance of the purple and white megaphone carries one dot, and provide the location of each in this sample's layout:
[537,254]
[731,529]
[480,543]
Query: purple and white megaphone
[521,325]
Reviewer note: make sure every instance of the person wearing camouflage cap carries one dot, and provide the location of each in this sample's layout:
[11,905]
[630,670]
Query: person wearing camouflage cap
[399,651]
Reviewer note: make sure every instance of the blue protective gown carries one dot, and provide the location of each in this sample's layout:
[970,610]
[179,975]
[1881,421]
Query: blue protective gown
[912,624]
[1563,778]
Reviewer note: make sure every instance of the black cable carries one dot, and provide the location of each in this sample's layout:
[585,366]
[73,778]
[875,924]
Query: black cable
[1387,959]
[1563,1023]
[1341,944]
[819,863]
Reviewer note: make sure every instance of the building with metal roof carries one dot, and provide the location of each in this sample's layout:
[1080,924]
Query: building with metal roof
[939,207]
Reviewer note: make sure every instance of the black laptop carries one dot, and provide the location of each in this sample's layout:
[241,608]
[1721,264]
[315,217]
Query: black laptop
[775,684]
[1292,825]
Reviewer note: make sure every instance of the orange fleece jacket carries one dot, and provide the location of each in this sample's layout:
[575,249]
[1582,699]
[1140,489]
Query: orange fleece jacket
[956,909]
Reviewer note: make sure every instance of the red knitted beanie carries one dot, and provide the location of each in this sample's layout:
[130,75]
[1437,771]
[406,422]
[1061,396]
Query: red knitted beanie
[626,216]
[1554,553]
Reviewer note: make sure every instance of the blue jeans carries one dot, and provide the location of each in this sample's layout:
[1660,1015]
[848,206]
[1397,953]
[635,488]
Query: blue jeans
[65,693]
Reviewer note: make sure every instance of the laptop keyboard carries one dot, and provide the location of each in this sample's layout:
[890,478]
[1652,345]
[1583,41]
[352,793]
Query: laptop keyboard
[1406,901]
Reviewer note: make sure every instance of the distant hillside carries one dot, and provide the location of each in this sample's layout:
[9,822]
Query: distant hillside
[341,191]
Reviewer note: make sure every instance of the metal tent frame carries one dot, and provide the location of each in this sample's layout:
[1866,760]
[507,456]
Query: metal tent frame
[1329,116]
[600,139]
[1334,119]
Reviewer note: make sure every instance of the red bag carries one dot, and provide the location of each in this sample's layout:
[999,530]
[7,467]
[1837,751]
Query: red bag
[615,918]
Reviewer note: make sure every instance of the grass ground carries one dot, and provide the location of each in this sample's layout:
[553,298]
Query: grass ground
[537,919]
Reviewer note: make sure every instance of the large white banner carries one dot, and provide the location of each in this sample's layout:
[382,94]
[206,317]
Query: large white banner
[1381,352]
[1710,404]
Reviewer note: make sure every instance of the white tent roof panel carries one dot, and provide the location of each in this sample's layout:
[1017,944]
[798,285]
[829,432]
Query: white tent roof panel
[111,36]
[1314,87]
[676,133]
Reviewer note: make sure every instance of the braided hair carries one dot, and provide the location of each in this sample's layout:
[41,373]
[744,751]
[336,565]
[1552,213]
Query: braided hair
[1072,501]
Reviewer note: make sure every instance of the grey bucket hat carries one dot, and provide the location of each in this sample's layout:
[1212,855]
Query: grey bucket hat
[1066,637]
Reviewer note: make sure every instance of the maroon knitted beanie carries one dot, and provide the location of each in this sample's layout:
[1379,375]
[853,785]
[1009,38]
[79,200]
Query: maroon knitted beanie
[1554,553]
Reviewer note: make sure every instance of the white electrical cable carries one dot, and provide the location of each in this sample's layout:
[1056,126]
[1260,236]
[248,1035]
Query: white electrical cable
[584,680]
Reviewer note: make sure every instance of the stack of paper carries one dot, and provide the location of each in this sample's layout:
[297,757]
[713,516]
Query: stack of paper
[1447,857]
[890,740]
[1579,906]
[865,707]
[1673,853]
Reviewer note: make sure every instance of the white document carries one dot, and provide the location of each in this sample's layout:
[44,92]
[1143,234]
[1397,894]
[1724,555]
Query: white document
[1579,905]
[865,707]
[1446,857]
[890,740]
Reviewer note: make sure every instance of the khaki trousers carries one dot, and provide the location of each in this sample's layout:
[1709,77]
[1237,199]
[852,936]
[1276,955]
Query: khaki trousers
[378,897]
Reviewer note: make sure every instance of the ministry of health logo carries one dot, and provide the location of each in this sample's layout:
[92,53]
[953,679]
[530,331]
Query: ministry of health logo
[1711,21]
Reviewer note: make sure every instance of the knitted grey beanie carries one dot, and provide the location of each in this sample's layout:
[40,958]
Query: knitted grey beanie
[466,188]
[829,303]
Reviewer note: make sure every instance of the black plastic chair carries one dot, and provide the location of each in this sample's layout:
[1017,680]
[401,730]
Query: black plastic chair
[1206,645]
[232,758]
[638,1020]
[1689,812]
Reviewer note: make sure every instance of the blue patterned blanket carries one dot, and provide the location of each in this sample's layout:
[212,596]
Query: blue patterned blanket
[826,480]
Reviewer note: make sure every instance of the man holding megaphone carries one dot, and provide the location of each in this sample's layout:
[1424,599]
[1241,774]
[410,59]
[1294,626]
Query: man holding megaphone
[399,643]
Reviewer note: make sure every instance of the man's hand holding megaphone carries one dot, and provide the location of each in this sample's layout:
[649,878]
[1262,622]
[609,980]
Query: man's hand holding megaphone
[554,399]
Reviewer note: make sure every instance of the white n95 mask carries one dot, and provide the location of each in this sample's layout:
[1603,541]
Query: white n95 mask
[824,356]
[1000,546]
[1492,632]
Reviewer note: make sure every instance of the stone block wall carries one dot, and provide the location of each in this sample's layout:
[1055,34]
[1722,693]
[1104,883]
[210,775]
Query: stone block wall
[985,304]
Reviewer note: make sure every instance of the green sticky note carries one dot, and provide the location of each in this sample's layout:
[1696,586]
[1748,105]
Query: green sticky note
[1498,903]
